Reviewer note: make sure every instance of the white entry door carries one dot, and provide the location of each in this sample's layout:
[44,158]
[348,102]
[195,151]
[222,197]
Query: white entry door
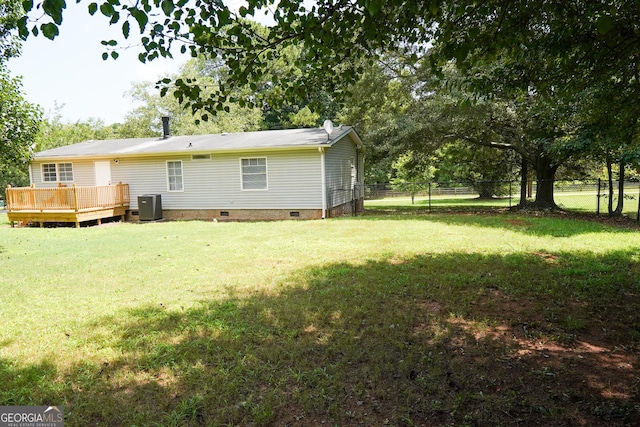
[103,172]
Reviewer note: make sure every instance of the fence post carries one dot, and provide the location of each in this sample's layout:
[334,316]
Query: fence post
[638,214]
[429,197]
[353,201]
[510,192]
[598,197]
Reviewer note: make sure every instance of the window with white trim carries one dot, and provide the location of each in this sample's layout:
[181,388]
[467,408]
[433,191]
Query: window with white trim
[174,175]
[65,172]
[49,172]
[57,172]
[254,173]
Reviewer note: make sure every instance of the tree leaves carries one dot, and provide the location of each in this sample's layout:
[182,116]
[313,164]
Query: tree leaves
[604,24]
[18,122]
[167,7]
[141,17]
[107,9]
[49,30]
[27,4]
[555,46]
[54,9]
[125,29]
[373,6]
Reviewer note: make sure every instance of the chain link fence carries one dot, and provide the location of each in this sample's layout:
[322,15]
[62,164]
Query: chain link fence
[592,196]
[345,200]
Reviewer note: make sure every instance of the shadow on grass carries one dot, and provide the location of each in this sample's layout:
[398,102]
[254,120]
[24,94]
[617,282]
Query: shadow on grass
[455,339]
[556,224]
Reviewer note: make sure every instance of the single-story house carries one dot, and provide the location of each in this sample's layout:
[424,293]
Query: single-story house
[276,174]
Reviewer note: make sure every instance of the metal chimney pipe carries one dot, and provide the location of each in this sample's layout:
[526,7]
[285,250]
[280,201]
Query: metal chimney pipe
[166,133]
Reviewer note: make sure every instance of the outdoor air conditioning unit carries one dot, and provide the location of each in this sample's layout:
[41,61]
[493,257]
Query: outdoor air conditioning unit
[149,207]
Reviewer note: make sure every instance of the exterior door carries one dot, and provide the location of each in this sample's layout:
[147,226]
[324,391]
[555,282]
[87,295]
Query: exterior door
[103,172]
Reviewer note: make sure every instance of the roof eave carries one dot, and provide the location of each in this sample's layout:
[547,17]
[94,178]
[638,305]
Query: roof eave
[346,131]
[178,153]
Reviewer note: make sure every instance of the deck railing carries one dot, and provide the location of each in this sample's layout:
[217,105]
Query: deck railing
[72,198]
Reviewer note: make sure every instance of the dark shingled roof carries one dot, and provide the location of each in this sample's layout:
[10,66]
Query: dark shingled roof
[269,139]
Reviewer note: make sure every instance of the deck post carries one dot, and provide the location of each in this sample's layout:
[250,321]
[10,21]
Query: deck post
[32,196]
[75,198]
[8,198]
[120,193]
[8,202]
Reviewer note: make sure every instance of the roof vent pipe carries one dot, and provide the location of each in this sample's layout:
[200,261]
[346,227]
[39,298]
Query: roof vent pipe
[166,133]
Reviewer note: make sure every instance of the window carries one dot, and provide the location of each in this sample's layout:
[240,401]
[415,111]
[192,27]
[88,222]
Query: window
[174,175]
[54,172]
[49,172]
[65,172]
[254,173]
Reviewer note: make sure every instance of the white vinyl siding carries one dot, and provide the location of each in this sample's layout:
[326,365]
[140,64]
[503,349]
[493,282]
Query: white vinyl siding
[174,175]
[82,171]
[341,170]
[254,173]
[293,181]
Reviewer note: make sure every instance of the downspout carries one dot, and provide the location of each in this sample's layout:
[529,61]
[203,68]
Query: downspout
[324,182]
[30,175]
[356,193]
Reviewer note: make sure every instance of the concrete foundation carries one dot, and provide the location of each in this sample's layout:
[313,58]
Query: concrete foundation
[252,214]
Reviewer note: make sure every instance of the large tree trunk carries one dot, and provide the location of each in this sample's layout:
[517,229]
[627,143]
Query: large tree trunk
[524,175]
[486,190]
[545,175]
[620,205]
[610,185]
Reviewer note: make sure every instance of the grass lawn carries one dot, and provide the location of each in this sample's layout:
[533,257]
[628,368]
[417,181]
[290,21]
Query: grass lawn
[401,320]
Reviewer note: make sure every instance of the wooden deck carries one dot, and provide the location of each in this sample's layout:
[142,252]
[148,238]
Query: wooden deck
[66,204]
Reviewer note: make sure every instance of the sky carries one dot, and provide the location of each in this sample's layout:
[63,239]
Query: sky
[70,71]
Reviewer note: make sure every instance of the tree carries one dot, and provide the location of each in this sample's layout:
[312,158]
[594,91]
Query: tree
[144,120]
[10,13]
[439,112]
[412,173]
[485,169]
[53,132]
[609,131]
[19,122]
[19,119]
[377,107]
[544,43]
